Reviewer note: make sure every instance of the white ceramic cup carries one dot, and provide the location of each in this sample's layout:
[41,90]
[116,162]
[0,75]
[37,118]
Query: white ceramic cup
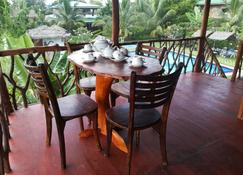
[89,56]
[87,47]
[137,61]
[118,55]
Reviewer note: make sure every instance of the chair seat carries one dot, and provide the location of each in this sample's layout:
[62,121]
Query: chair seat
[121,88]
[76,105]
[143,118]
[88,83]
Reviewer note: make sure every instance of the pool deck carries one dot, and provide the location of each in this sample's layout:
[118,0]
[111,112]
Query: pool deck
[204,137]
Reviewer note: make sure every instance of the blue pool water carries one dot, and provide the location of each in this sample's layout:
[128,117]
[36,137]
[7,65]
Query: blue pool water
[132,48]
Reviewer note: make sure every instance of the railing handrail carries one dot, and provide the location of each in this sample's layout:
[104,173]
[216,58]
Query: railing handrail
[40,49]
[158,40]
[36,49]
[239,60]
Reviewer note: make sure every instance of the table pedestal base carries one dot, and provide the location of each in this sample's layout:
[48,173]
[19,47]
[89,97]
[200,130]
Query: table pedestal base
[103,86]
[86,133]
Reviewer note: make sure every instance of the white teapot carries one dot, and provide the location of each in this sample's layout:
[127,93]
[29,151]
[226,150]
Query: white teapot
[108,51]
[118,55]
[100,43]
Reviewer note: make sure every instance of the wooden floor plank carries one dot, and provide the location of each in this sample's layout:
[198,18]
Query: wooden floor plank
[204,137]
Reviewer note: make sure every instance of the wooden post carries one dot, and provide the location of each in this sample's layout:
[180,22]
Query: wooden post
[200,55]
[238,59]
[115,22]
[240,113]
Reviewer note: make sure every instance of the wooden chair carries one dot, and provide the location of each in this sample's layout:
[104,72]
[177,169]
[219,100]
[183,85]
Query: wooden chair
[87,83]
[62,109]
[146,94]
[149,51]
[4,112]
[122,88]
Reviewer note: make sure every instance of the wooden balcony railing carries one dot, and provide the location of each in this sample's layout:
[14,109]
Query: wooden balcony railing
[238,63]
[185,50]
[180,50]
[62,75]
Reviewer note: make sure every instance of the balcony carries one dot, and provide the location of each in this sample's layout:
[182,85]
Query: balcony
[203,134]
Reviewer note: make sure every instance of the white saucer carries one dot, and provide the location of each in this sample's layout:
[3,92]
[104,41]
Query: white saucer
[115,60]
[87,60]
[87,51]
[132,66]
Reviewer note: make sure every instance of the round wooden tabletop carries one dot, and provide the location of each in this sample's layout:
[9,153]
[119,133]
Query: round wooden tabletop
[118,70]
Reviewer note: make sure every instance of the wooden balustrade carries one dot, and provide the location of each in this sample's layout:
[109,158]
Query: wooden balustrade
[179,50]
[50,55]
[238,63]
[185,50]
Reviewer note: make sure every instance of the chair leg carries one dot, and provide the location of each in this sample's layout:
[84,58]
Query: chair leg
[1,165]
[81,122]
[130,147]
[48,129]
[1,153]
[137,138]
[113,97]
[60,130]
[88,93]
[163,145]
[6,163]
[4,152]
[7,119]
[96,130]
[108,137]
[48,116]
[5,130]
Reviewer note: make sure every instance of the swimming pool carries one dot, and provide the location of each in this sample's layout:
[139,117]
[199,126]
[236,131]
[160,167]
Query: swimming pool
[132,48]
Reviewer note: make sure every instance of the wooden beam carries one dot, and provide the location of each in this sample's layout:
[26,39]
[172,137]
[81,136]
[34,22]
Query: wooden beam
[200,56]
[115,22]
[240,113]
[238,60]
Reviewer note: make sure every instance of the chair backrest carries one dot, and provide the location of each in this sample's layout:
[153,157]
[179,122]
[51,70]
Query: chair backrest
[150,51]
[73,47]
[6,106]
[151,91]
[42,82]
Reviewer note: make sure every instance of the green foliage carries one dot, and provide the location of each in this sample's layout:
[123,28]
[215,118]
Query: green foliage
[144,19]
[67,17]
[81,35]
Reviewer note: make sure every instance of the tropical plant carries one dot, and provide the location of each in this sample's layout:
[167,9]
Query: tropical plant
[81,35]
[234,16]
[67,17]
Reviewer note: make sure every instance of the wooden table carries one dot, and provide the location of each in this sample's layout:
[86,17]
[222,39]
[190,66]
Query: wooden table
[106,71]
